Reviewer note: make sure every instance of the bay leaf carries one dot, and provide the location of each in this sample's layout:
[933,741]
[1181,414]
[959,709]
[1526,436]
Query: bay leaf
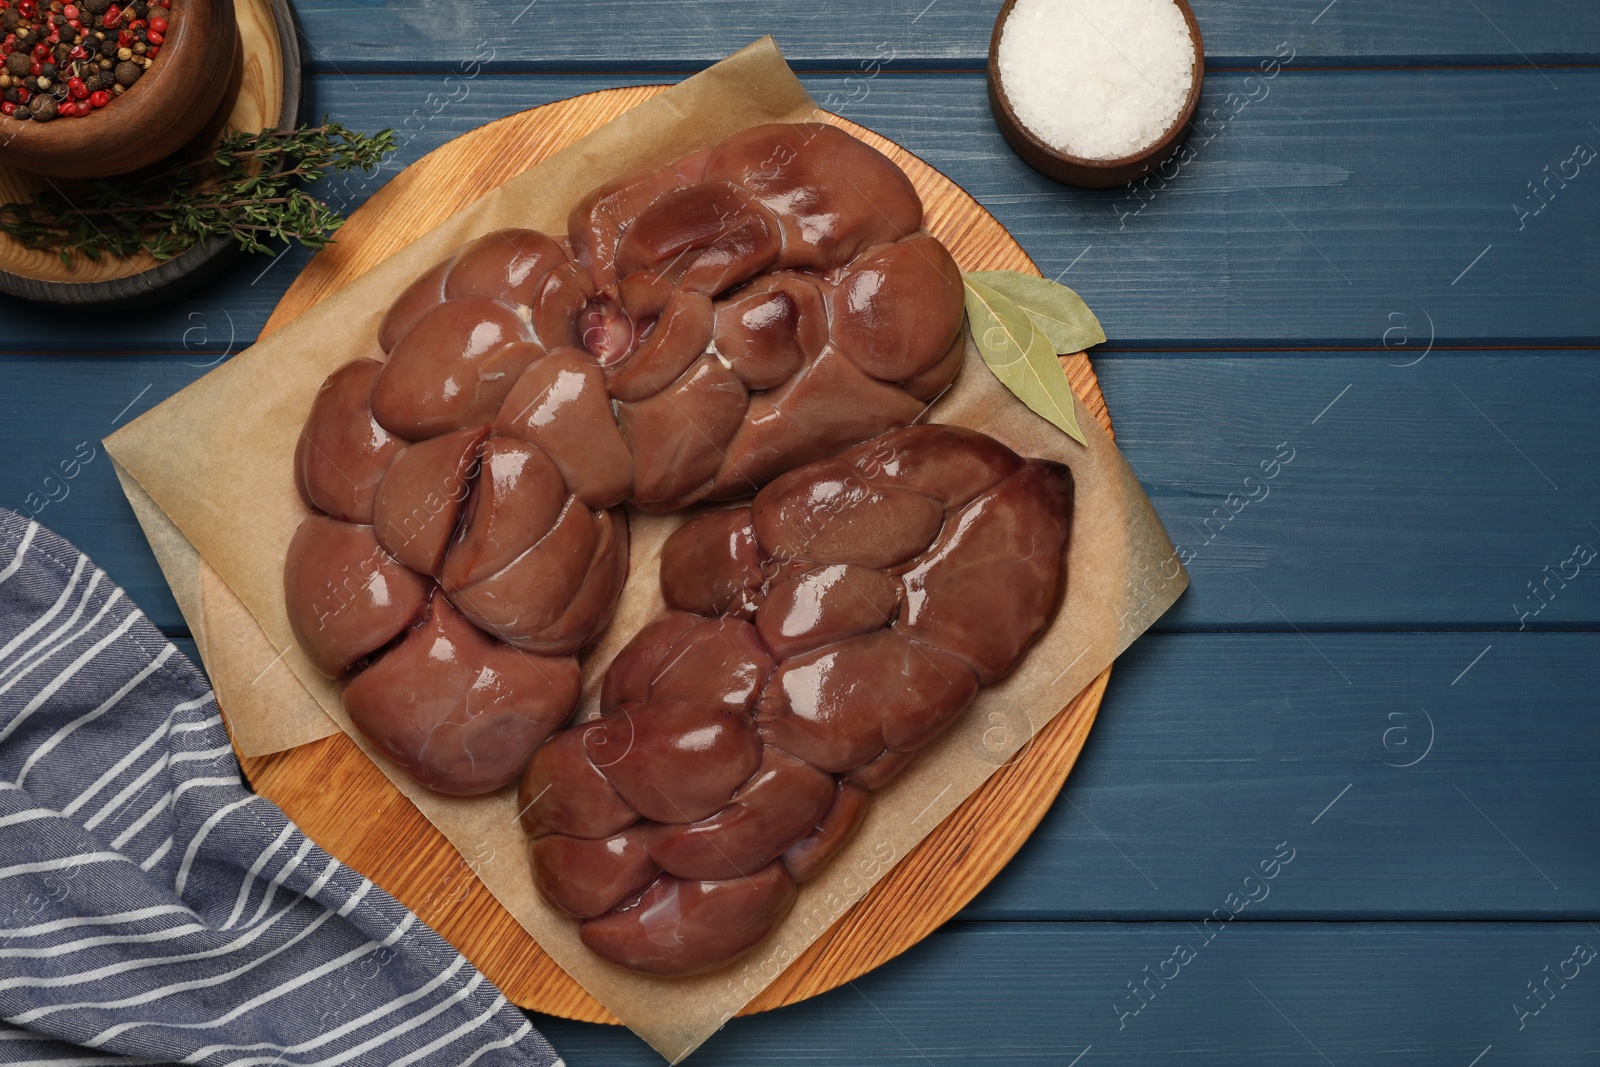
[1055,309]
[1021,355]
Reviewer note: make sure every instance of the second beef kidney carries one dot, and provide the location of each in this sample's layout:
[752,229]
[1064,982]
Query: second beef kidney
[818,640]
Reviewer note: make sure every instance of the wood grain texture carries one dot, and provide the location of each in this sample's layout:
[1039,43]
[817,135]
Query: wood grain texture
[1404,506]
[1303,995]
[565,35]
[1210,748]
[1397,510]
[386,838]
[1414,512]
[1213,747]
[1402,180]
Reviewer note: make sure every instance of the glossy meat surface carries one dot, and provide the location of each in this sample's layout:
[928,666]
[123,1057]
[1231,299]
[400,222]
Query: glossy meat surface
[347,597]
[818,640]
[743,310]
[696,332]
[460,711]
[343,453]
[451,613]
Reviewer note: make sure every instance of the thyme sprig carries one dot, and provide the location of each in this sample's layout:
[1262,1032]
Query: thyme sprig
[248,189]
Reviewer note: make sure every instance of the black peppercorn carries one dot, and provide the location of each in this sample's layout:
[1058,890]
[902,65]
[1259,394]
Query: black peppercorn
[78,65]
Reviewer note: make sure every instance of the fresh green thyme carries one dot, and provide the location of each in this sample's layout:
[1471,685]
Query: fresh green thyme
[250,189]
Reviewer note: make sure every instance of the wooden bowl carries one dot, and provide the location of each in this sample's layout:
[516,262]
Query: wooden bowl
[172,104]
[1075,170]
[268,97]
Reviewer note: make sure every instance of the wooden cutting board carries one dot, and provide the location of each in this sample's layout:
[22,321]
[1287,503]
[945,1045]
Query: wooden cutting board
[387,839]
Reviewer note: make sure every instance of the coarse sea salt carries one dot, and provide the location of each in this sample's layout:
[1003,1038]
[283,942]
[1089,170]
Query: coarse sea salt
[1098,79]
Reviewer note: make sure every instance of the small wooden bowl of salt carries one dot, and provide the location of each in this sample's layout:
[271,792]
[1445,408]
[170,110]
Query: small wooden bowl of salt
[1095,92]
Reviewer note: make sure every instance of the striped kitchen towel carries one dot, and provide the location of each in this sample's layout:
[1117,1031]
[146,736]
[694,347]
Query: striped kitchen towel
[153,909]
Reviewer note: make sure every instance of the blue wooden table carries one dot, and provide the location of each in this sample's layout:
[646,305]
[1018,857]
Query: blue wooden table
[1382,685]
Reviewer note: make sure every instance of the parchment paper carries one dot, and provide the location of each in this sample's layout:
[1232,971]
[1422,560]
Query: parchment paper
[216,459]
[266,707]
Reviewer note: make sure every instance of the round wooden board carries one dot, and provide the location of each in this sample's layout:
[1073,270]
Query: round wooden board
[268,96]
[387,839]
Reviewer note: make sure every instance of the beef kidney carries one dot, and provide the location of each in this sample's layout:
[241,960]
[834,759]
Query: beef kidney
[735,758]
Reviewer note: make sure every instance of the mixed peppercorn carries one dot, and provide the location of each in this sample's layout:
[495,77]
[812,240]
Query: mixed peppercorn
[67,60]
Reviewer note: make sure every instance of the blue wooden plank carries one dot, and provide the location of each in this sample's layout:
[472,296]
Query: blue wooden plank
[1458,491]
[1312,994]
[569,35]
[1041,992]
[1411,775]
[1414,497]
[1451,776]
[1310,217]
[54,413]
[1404,795]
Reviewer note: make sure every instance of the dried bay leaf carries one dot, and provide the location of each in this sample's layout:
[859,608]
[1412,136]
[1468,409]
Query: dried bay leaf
[1055,309]
[1021,354]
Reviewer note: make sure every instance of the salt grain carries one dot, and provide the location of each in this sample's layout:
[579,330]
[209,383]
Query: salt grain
[1098,79]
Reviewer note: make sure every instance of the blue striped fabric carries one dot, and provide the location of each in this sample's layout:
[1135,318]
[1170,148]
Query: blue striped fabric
[152,909]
